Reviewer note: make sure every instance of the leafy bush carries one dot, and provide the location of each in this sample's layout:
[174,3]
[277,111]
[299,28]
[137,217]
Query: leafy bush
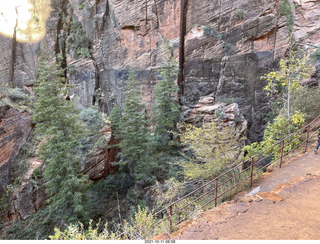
[292,71]
[211,31]
[315,56]
[239,14]
[93,118]
[16,97]
[16,94]
[37,174]
[280,128]
[213,148]
[229,49]
[77,42]
[225,99]
[307,101]
[141,227]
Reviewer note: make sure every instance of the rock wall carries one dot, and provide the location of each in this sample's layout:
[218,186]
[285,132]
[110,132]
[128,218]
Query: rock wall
[229,44]
[15,127]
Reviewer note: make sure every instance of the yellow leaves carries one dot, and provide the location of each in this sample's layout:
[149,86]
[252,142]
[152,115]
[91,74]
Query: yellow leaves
[298,118]
[212,147]
[290,73]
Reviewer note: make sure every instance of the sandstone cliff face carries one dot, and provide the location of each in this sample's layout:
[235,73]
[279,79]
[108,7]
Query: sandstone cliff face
[15,127]
[228,46]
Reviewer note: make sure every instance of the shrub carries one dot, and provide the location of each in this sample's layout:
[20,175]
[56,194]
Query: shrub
[315,56]
[211,31]
[93,118]
[213,148]
[225,99]
[229,49]
[77,42]
[286,9]
[307,101]
[37,174]
[140,227]
[239,14]
[15,97]
[280,128]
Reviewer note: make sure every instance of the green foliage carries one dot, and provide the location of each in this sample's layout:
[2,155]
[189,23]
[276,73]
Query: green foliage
[141,227]
[15,97]
[134,133]
[307,101]
[166,108]
[225,99]
[115,119]
[229,49]
[58,120]
[37,174]
[37,227]
[94,121]
[170,191]
[104,194]
[77,42]
[286,9]
[77,232]
[4,199]
[280,128]
[213,148]
[315,56]
[275,106]
[292,70]
[239,14]
[83,5]
[211,31]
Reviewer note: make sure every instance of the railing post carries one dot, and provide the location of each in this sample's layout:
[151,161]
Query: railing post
[281,153]
[252,162]
[216,193]
[170,217]
[306,148]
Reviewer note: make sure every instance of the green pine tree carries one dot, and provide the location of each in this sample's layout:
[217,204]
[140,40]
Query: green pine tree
[166,108]
[115,119]
[134,133]
[58,120]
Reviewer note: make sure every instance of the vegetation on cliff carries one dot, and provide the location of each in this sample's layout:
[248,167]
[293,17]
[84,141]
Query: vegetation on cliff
[158,163]
[59,121]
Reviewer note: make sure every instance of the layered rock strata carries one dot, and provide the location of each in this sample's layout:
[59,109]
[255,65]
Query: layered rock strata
[15,127]
[228,46]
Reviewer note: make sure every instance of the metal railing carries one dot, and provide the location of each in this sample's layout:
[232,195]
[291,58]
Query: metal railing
[225,185]
[236,176]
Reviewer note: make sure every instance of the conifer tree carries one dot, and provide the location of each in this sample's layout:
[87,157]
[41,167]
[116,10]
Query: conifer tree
[166,108]
[115,119]
[58,120]
[134,132]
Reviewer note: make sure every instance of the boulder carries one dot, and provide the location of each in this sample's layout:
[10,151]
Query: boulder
[207,109]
